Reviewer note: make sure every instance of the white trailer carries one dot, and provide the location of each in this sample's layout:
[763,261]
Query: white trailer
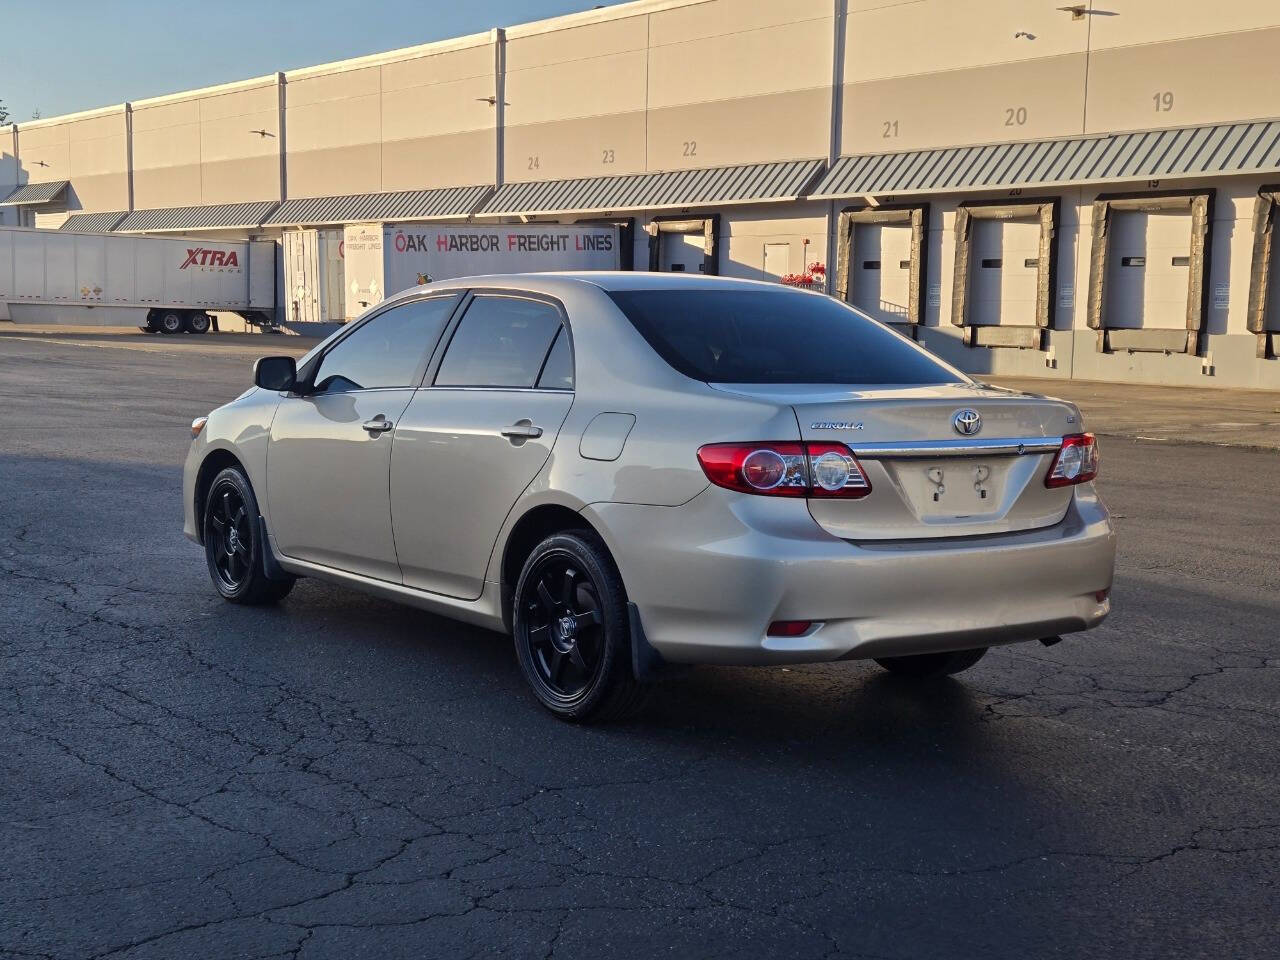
[385,259]
[169,284]
[314,290]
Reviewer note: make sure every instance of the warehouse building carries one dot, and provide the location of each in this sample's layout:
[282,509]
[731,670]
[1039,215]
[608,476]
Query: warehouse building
[1084,191]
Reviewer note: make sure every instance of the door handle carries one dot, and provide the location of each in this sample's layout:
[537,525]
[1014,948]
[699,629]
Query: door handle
[377,425]
[521,430]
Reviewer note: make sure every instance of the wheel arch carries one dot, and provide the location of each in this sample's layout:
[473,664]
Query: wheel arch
[217,460]
[534,525]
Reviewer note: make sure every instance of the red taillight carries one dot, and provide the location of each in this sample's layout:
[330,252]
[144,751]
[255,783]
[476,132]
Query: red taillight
[1075,462]
[785,469]
[789,628]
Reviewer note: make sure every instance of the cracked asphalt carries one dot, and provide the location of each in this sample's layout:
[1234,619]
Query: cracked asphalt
[342,777]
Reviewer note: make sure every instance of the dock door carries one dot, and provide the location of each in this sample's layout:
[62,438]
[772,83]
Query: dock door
[681,245]
[1005,272]
[1148,269]
[881,262]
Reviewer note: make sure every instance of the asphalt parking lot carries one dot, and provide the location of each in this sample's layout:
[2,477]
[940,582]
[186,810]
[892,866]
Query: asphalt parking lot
[342,777]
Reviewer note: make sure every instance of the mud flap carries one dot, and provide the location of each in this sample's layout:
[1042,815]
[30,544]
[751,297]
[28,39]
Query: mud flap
[646,662]
[271,568]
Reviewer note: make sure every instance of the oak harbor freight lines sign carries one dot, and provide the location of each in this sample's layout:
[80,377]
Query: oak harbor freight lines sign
[444,252]
[383,260]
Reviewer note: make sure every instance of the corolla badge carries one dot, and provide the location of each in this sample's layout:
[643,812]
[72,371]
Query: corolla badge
[967,422]
[836,425]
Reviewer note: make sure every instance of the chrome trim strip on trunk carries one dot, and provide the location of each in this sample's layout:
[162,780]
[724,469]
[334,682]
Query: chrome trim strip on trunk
[1003,447]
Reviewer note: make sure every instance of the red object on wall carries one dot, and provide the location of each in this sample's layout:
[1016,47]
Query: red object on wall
[813,278]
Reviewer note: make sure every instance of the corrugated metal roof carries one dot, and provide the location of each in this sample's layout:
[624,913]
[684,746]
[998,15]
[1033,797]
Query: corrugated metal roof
[36,193]
[219,216]
[1223,148]
[380,207]
[648,191]
[93,222]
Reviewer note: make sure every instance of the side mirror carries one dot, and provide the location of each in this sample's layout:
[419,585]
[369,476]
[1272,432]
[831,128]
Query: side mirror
[275,373]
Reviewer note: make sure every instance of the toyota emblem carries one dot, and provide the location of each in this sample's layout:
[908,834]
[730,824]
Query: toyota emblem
[967,421]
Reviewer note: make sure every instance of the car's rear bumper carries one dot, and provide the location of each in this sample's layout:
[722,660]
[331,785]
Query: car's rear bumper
[710,576]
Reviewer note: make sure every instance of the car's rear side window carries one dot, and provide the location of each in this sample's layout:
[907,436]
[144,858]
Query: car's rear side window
[773,336]
[500,342]
[557,371]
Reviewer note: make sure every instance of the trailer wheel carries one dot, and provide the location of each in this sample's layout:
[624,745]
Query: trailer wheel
[198,322]
[170,322]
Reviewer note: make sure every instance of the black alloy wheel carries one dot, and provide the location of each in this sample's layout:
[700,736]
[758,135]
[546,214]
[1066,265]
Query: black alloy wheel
[572,631]
[565,627]
[229,537]
[232,542]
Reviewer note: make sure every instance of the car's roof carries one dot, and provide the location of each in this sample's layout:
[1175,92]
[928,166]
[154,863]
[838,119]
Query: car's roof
[645,280]
[609,280]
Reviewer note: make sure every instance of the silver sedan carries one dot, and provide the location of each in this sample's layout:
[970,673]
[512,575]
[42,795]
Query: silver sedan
[629,470]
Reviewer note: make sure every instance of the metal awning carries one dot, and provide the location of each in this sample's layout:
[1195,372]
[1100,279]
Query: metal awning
[93,222]
[437,204]
[1225,148]
[245,216]
[34,193]
[651,191]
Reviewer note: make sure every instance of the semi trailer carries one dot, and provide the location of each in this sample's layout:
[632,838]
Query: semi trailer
[383,259]
[160,284]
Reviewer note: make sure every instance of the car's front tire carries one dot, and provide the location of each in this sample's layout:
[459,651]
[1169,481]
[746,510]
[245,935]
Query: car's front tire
[233,544]
[572,632]
[924,666]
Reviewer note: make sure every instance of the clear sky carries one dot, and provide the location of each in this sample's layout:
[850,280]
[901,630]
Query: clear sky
[59,56]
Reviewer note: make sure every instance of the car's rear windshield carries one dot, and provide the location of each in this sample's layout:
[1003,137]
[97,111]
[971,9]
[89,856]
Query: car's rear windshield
[773,336]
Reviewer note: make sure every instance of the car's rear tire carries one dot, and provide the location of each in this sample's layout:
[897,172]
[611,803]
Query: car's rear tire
[233,542]
[170,322]
[572,633]
[925,665]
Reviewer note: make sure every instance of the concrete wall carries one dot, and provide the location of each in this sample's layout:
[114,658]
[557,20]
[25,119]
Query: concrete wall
[89,149]
[201,148]
[674,87]
[410,120]
[576,100]
[1216,61]
[953,72]
[9,178]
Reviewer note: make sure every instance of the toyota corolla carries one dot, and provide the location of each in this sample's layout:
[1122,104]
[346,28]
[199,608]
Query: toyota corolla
[629,470]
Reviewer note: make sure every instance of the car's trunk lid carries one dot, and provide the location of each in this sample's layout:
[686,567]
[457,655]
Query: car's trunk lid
[927,478]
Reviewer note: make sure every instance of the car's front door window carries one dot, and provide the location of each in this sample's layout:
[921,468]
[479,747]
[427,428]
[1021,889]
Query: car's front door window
[387,351]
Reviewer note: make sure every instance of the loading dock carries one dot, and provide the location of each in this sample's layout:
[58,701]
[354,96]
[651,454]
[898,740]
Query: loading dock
[882,260]
[1148,269]
[682,244]
[1006,268]
[1264,275]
